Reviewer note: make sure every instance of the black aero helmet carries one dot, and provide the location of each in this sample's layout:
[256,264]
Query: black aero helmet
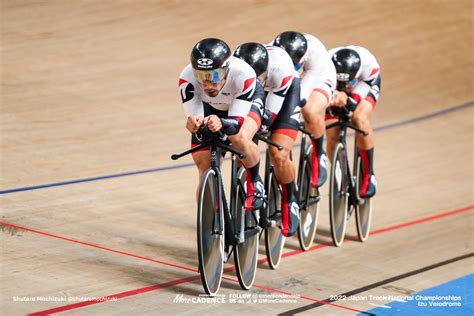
[209,60]
[347,63]
[255,55]
[209,53]
[294,43]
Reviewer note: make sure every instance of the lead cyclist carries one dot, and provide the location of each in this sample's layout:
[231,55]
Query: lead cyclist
[217,90]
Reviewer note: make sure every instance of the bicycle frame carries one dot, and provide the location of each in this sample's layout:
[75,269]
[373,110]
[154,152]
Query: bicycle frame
[219,221]
[264,221]
[302,150]
[229,221]
[308,200]
[344,123]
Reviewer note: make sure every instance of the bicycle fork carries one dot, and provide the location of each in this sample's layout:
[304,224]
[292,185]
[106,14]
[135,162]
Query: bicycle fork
[217,227]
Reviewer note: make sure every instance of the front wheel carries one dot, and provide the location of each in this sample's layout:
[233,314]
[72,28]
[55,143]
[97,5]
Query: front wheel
[364,209]
[246,253]
[338,195]
[274,239]
[210,233]
[309,204]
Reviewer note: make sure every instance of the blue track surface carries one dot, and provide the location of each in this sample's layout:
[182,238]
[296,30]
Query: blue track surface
[435,301]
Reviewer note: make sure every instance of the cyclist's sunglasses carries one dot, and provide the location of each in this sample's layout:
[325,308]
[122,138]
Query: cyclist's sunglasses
[343,81]
[213,75]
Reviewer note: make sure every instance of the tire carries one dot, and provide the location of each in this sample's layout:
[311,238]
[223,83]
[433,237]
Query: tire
[310,210]
[338,195]
[246,253]
[210,233]
[274,239]
[363,211]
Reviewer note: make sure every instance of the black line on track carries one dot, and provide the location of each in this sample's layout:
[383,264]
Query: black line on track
[376,284]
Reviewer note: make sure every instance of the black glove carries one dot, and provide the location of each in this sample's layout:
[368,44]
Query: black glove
[230,125]
[351,104]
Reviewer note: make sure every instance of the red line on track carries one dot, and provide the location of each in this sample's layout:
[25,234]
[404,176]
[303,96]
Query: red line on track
[98,247]
[382,230]
[422,220]
[190,279]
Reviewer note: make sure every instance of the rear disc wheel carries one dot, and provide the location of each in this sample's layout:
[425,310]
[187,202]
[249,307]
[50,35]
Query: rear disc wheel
[246,253]
[364,210]
[274,239]
[309,199]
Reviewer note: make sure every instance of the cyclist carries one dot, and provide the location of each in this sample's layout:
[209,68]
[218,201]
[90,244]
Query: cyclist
[217,90]
[277,96]
[358,88]
[318,77]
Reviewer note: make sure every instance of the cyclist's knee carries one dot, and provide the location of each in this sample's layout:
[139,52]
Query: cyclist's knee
[248,130]
[360,119]
[361,115]
[239,140]
[279,158]
[317,103]
[311,115]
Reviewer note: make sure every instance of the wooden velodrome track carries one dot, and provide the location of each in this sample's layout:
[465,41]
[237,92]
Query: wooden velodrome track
[89,92]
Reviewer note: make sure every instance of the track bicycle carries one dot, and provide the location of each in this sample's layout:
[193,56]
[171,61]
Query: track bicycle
[307,197]
[344,197]
[223,228]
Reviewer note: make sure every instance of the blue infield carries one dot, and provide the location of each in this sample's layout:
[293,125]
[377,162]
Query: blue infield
[451,298]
